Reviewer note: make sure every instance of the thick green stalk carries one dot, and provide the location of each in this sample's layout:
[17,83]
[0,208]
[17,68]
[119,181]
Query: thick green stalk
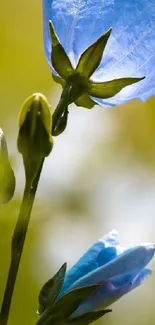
[18,243]
[20,231]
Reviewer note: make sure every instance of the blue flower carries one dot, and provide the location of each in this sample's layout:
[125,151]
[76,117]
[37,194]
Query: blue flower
[117,271]
[130,51]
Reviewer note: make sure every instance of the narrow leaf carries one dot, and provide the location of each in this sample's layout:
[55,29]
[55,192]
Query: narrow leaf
[85,101]
[68,303]
[88,317]
[51,289]
[110,88]
[59,59]
[91,57]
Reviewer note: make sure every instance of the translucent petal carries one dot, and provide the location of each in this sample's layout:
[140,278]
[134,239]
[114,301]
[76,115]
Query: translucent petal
[103,251]
[130,51]
[111,239]
[141,277]
[132,261]
[106,295]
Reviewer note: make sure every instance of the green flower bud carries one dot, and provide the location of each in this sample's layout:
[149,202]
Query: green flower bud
[7,178]
[35,124]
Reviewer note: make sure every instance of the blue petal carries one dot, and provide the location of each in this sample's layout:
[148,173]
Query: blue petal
[62,13]
[103,251]
[131,47]
[106,295]
[132,261]
[106,255]
[140,278]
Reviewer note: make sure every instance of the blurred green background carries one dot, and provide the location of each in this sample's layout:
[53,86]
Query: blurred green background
[100,175]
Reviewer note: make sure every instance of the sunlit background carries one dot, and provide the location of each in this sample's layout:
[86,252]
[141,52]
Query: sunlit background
[100,175]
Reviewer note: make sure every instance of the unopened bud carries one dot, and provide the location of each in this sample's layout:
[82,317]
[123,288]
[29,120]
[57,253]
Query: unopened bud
[7,178]
[34,139]
[35,124]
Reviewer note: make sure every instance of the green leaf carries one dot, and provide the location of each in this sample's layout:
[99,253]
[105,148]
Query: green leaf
[88,317]
[51,289]
[91,57]
[65,306]
[59,59]
[69,302]
[85,101]
[7,178]
[110,88]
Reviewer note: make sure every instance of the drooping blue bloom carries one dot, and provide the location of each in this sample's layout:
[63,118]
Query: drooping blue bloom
[117,271]
[130,51]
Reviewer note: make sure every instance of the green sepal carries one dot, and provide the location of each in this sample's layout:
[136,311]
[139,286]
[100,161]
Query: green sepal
[59,80]
[92,56]
[88,317]
[70,301]
[51,289]
[110,88]
[85,101]
[81,88]
[59,59]
[7,178]
[61,124]
[78,85]
[66,305]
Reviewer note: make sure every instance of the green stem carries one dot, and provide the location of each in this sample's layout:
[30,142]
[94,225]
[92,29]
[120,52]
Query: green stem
[24,217]
[18,243]
[61,107]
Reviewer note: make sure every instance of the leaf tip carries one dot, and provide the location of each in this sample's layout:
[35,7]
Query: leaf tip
[108,32]
[142,78]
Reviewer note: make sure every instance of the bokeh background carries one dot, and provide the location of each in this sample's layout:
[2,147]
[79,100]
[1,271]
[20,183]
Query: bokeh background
[100,175]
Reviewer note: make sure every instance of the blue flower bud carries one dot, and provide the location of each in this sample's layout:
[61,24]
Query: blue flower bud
[128,53]
[115,269]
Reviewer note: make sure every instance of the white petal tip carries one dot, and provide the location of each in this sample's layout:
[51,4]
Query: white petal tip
[149,245]
[112,238]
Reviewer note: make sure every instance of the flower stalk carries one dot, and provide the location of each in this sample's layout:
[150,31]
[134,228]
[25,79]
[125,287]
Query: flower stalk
[18,241]
[61,108]
[31,185]
[34,143]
